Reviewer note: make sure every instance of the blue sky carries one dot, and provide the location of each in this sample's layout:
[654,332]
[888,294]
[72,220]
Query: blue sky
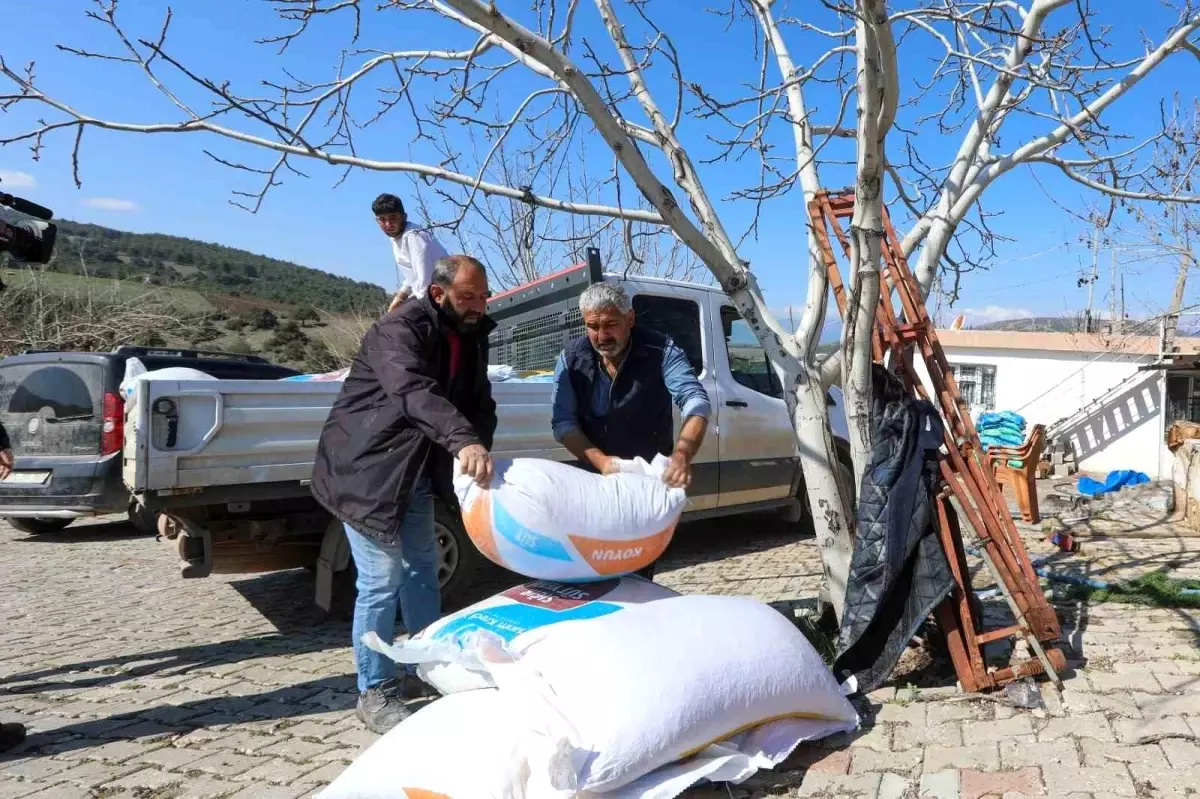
[167,184]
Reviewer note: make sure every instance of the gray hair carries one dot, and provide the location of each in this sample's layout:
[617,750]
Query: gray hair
[446,269]
[601,296]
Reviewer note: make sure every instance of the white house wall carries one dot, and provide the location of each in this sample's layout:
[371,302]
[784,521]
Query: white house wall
[1045,386]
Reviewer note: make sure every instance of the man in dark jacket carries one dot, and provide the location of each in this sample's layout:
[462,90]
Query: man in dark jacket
[416,397]
[614,388]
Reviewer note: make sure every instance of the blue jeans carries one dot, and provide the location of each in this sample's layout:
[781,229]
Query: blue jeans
[404,572]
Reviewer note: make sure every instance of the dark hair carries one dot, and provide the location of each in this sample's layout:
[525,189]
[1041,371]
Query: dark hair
[446,269]
[387,204]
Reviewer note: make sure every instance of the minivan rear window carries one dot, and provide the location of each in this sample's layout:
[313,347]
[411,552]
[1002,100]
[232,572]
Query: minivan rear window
[52,408]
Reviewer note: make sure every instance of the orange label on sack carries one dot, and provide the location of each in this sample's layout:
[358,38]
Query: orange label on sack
[421,793]
[621,557]
[478,521]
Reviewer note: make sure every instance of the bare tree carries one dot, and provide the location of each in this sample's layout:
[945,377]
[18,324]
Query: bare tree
[617,75]
[36,315]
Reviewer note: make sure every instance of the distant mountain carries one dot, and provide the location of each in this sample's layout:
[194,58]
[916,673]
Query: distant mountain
[1034,324]
[173,261]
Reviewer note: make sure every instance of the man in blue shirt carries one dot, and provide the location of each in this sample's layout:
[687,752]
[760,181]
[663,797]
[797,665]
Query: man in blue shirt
[614,388]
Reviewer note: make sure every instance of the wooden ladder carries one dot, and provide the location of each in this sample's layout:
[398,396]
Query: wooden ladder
[966,477]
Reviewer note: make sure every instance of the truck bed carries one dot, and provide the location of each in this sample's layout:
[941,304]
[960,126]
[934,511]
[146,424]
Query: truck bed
[254,439]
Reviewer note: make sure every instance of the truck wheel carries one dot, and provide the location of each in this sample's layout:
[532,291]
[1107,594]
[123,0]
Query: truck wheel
[39,526]
[458,558]
[144,521]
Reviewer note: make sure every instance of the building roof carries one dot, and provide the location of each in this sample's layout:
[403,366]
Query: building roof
[1061,342]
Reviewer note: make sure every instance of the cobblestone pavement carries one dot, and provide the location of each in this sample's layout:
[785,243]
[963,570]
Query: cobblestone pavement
[135,683]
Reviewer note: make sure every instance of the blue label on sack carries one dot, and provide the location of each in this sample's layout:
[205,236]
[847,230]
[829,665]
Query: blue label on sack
[509,621]
[521,536]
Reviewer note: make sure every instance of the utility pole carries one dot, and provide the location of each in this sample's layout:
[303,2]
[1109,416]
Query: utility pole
[1088,326]
[1112,299]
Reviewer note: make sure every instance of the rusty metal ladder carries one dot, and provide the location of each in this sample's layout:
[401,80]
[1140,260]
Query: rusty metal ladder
[965,474]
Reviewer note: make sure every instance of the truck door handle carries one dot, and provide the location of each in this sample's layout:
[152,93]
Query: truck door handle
[736,404]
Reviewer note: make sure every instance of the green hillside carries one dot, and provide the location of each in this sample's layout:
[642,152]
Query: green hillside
[153,259]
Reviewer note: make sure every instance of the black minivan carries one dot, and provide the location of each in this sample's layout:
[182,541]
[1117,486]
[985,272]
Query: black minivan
[65,416]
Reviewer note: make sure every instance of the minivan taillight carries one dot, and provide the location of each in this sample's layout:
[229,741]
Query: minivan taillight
[114,424]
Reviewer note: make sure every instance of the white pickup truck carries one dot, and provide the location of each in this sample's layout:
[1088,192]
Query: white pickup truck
[226,463]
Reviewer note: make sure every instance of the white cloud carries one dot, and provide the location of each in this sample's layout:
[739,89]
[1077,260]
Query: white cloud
[16,180]
[111,204]
[991,313]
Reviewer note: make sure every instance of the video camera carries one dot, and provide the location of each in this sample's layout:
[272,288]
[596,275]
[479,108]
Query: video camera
[29,240]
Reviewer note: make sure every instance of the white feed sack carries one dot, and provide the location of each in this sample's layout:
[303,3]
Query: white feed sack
[554,521]
[646,702]
[636,690]
[517,617]
[467,746]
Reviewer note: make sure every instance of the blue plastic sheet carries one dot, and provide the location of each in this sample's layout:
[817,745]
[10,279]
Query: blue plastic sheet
[1115,481]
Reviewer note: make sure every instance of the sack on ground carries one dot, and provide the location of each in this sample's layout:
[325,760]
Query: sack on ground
[660,682]
[519,617]
[466,746]
[553,521]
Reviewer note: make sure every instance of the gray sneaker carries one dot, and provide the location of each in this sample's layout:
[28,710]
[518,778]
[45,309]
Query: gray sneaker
[413,687]
[382,707]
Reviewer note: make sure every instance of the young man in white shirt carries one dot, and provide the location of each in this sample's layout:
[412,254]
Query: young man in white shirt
[415,250]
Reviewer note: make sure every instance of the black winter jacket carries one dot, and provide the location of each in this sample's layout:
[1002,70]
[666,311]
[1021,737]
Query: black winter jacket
[400,418]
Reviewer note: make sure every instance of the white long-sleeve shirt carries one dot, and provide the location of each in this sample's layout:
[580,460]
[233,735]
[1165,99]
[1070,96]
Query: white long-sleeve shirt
[416,251]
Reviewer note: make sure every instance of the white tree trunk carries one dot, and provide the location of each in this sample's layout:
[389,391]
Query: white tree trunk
[876,108]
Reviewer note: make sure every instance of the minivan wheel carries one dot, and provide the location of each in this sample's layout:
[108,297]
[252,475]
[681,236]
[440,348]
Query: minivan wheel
[39,526]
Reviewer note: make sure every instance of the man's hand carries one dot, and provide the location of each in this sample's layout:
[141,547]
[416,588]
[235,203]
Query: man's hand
[679,471]
[610,465]
[400,297]
[477,463]
[6,463]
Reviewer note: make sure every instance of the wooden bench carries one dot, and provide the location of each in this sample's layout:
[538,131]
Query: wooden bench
[1021,478]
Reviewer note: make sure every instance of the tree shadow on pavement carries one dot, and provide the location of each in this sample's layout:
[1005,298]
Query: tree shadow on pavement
[53,735]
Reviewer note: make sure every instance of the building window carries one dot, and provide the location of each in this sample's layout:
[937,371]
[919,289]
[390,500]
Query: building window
[1183,398]
[976,384]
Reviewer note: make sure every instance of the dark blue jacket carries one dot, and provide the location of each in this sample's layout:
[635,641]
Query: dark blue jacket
[630,416]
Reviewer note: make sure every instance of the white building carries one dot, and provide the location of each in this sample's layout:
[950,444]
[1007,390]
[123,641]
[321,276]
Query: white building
[1048,377]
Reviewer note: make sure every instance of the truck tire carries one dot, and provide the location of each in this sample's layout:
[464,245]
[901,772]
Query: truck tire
[39,526]
[144,521]
[458,559]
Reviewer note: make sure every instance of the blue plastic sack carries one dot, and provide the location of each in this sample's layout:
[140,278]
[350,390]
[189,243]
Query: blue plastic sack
[1116,480]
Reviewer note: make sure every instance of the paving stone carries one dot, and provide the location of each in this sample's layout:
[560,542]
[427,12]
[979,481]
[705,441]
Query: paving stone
[894,786]
[271,792]
[146,780]
[1131,730]
[1014,755]
[866,760]
[1086,725]
[818,784]
[1124,683]
[225,764]
[1100,753]
[1181,754]
[984,756]
[32,768]
[205,788]
[1114,779]
[296,750]
[940,785]
[1004,730]
[92,774]
[17,789]
[172,758]
[974,784]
